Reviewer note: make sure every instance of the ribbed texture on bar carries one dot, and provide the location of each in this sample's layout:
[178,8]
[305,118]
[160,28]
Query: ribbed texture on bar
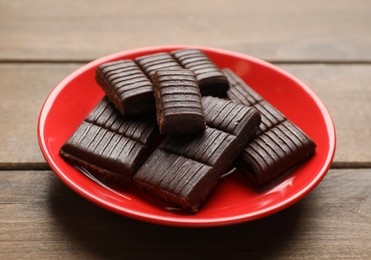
[278,146]
[126,86]
[158,61]
[206,147]
[270,116]
[104,148]
[138,128]
[210,78]
[178,102]
[184,170]
[174,178]
[240,92]
[110,144]
[269,155]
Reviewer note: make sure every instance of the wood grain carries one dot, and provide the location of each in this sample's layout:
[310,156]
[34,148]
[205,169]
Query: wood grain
[284,30]
[24,87]
[343,88]
[41,218]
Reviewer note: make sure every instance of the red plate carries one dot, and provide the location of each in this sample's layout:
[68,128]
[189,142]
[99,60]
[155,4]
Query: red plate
[233,201]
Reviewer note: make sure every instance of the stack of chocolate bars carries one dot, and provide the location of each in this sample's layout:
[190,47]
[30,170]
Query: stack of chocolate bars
[173,123]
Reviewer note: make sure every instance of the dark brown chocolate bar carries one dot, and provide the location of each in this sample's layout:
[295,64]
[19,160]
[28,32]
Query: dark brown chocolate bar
[110,144]
[211,80]
[275,152]
[184,170]
[178,102]
[278,146]
[158,61]
[126,86]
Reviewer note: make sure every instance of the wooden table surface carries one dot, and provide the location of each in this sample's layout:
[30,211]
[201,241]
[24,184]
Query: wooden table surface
[326,44]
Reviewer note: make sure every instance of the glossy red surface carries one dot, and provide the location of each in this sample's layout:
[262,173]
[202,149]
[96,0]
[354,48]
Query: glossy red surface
[233,201]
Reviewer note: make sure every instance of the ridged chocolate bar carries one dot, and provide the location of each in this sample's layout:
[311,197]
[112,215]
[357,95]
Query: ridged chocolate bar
[184,170]
[110,144]
[278,146]
[178,102]
[126,86]
[158,61]
[211,80]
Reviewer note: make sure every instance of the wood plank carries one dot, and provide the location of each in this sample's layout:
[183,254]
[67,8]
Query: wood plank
[344,89]
[40,218]
[273,30]
[23,91]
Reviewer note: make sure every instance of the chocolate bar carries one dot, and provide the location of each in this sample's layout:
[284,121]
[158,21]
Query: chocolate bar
[273,153]
[110,144]
[178,102]
[211,80]
[158,61]
[126,86]
[184,170]
[278,147]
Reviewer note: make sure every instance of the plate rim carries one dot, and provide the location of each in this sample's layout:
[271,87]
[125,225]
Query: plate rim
[173,221]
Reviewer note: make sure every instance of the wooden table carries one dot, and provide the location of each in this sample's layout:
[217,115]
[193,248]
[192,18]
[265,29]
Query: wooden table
[327,44]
